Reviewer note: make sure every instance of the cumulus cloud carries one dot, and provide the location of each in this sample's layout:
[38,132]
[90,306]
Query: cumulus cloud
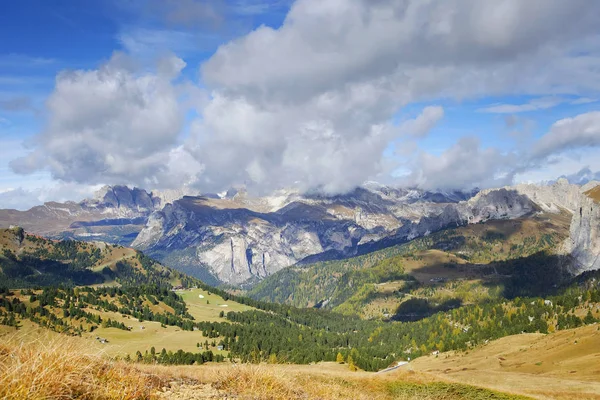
[464,165]
[312,103]
[420,126]
[112,125]
[569,133]
[326,44]
[315,145]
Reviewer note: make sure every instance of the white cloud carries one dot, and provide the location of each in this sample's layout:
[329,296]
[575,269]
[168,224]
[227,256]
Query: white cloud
[277,146]
[584,100]
[144,42]
[420,126]
[108,125]
[23,199]
[148,43]
[324,44]
[542,103]
[464,165]
[311,101]
[569,133]
[565,164]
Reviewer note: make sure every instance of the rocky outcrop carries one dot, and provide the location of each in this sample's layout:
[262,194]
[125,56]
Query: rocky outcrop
[552,198]
[584,240]
[239,239]
[121,198]
[505,203]
[116,214]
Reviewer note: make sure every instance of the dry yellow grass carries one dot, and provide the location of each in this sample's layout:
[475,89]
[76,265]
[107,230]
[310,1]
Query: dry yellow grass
[323,381]
[563,365]
[41,366]
[594,194]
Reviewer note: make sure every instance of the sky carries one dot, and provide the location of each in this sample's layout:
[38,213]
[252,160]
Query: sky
[313,94]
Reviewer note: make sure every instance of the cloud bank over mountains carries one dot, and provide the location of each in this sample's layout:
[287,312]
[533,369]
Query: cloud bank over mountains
[313,102]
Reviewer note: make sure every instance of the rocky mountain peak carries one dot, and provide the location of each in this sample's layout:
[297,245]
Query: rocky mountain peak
[123,198]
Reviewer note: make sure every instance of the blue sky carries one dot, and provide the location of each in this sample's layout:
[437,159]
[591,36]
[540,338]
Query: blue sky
[322,94]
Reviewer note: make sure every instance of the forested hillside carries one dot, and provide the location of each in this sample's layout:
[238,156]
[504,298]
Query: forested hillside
[28,261]
[280,333]
[456,266]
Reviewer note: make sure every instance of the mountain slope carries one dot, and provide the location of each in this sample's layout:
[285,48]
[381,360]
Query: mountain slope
[544,366]
[477,253]
[240,245]
[584,241]
[116,215]
[239,239]
[32,261]
[154,314]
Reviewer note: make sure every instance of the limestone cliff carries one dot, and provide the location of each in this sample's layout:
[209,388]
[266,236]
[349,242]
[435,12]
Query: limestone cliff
[239,239]
[584,241]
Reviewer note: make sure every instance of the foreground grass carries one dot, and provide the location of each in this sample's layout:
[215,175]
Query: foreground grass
[58,367]
[322,381]
[41,366]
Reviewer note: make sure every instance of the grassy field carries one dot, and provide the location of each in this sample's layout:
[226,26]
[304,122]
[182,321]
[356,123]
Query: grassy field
[147,334]
[122,342]
[41,366]
[207,307]
[562,365]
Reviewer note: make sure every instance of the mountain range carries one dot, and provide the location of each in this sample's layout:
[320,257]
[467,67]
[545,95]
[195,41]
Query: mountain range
[239,239]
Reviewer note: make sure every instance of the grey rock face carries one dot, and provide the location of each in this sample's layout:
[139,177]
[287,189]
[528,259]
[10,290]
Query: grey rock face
[584,240]
[128,201]
[116,214]
[239,239]
[552,198]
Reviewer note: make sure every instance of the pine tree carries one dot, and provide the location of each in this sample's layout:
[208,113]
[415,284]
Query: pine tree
[340,358]
[351,365]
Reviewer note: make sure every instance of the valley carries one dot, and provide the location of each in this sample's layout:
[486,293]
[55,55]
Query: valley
[451,294]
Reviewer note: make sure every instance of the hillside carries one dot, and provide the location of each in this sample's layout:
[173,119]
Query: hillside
[32,261]
[154,324]
[111,294]
[554,366]
[465,265]
[594,194]
[60,367]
